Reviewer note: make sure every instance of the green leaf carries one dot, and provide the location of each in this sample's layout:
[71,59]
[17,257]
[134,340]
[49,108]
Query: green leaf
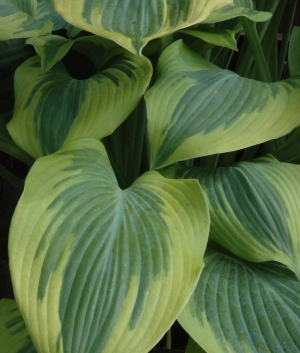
[294,56]
[98,269]
[216,36]
[238,8]
[8,146]
[289,151]
[254,208]
[239,306]
[133,23]
[193,347]
[46,12]
[54,108]
[21,19]
[12,54]
[196,109]
[14,337]
[53,48]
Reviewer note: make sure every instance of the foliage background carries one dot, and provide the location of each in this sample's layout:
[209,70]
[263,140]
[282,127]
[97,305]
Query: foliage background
[9,197]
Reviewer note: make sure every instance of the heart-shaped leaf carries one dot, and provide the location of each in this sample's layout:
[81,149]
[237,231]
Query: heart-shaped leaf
[196,109]
[54,108]
[254,208]
[133,23]
[239,306]
[98,269]
[14,336]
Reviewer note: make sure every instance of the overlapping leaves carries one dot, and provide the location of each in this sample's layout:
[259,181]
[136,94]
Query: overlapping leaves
[53,107]
[196,109]
[100,269]
[133,23]
[254,208]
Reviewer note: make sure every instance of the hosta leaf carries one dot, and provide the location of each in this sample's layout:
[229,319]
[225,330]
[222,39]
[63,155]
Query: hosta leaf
[97,269]
[54,108]
[46,12]
[237,8]
[240,306]
[294,57]
[12,54]
[14,336]
[289,151]
[216,36]
[53,48]
[133,23]
[196,109]
[8,146]
[20,19]
[254,208]
[193,347]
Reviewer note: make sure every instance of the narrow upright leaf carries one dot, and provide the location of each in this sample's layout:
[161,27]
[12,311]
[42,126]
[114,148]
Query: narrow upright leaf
[98,269]
[239,306]
[294,56]
[197,109]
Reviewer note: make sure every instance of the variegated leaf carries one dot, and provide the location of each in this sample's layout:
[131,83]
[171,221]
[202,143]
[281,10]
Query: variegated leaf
[238,8]
[133,23]
[14,336]
[239,306]
[197,109]
[54,108]
[19,19]
[53,48]
[254,208]
[97,269]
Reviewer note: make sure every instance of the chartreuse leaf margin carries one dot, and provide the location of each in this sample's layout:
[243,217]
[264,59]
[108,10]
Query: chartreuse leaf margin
[254,208]
[14,336]
[240,306]
[237,8]
[24,19]
[100,269]
[54,108]
[197,109]
[133,23]
[144,21]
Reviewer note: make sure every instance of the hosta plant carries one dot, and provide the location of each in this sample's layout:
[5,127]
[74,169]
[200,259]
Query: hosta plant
[164,180]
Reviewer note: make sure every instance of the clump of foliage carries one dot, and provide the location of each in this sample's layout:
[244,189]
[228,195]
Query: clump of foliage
[165,181]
